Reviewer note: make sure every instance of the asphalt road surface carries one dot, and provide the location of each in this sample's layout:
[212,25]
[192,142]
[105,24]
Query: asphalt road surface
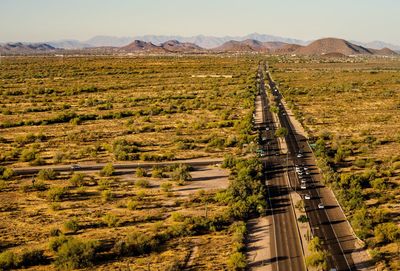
[322,225]
[286,249]
[127,165]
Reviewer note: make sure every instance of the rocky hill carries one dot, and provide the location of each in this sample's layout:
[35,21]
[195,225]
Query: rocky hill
[333,45]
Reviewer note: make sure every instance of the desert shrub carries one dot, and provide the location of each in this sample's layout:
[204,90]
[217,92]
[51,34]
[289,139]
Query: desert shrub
[111,220]
[9,260]
[3,185]
[318,260]
[303,219]
[106,195]
[166,187]
[177,217]
[136,243]
[157,172]
[105,184]
[396,165]
[318,256]
[56,242]
[28,155]
[239,231]
[71,225]
[47,174]
[281,132]
[58,157]
[181,174]
[77,179]
[237,261]
[141,172]
[55,232]
[246,192]
[74,254]
[107,170]
[32,257]
[6,173]
[229,161]
[39,161]
[379,184]
[387,232]
[132,205]
[56,193]
[142,183]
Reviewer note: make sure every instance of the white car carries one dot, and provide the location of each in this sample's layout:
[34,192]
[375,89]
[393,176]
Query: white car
[299,155]
[75,167]
[303,186]
[267,128]
[307,196]
[321,206]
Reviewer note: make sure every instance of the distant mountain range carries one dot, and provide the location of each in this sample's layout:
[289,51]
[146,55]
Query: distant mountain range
[322,47]
[207,42]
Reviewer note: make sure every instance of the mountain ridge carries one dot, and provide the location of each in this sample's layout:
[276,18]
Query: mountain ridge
[204,41]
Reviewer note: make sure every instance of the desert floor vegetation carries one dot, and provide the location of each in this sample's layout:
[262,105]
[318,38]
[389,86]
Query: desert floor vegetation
[105,109]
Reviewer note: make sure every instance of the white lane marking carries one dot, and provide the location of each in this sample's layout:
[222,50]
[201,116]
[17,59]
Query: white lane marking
[330,224]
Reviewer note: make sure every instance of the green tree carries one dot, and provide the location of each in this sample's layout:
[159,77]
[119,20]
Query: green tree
[107,170]
[281,132]
[181,174]
[75,254]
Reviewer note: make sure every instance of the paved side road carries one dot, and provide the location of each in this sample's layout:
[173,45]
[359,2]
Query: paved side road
[126,165]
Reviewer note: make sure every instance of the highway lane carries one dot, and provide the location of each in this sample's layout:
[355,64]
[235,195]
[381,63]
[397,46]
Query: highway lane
[286,249]
[320,222]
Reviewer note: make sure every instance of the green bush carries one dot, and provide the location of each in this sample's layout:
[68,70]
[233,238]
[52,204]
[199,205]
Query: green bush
[55,232]
[28,155]
[33,257]
[74,254]
[39,161]
[181,174]
[56,242]
[9,260]
[132,205]
[106,195]
[237,261]
[105,184]
[387,232]
[72,225]
[77,179]
[47,174]
[166,187]
[135,244]
[56,193]
[142,183]
[6,173]
[141,172]
[107,170]
[111,220]
[157,172]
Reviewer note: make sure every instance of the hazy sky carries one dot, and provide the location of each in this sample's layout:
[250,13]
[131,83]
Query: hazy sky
[44,20]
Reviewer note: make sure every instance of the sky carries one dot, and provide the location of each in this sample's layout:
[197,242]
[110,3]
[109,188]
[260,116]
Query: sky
[48,20]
